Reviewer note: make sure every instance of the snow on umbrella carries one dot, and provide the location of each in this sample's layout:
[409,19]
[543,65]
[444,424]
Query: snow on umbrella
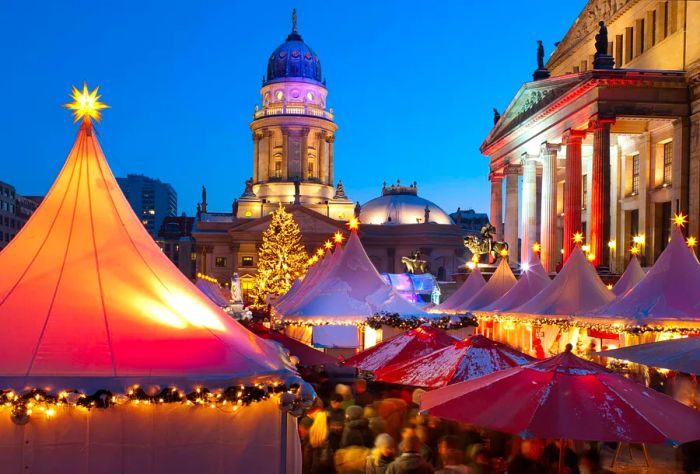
[681,355]
[566,397]
[467,359]
[408,345]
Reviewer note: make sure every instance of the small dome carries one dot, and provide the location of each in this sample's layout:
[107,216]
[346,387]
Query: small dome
[293,59]
[401,205]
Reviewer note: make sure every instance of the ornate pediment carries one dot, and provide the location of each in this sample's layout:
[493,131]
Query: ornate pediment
[586,24]
[532,98]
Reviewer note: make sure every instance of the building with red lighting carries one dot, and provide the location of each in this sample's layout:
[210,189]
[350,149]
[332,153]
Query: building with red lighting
[605,140]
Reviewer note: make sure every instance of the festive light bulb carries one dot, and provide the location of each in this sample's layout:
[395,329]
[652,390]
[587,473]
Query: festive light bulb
[338,237]
[328,244]
[471,265]
[320,252]
[536,247]
[680,220]
[475,259]
[590,257]
[634,250]
[691,241]
[86,104]
[524,267]
[638,239]
[354,223]
[586,248]
[504,253]
[612,244]
[577,238]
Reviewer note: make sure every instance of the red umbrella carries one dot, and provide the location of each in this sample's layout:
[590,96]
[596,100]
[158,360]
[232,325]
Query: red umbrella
[566,397]
[306,355]
[403,347]
[472,357]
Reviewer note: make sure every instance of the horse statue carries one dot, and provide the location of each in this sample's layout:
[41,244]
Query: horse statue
[485,245]
[414,264]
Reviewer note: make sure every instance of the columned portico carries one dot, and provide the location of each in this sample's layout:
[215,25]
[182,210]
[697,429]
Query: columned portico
[572,190]
[510,224]
[600,192]
[548,231]
[529,217]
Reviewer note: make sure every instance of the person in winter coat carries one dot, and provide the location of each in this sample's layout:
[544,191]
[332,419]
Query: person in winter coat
[356,431]
[382,455]
[321,452]
[410,462]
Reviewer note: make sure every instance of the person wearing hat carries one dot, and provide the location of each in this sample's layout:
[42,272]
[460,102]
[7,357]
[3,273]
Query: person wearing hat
[382,455]
[356,431]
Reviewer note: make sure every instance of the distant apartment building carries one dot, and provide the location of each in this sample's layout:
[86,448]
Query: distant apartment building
[175,239]
[15,211]
[151,200]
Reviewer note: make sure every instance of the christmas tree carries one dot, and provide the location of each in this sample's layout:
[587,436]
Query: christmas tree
[281,258]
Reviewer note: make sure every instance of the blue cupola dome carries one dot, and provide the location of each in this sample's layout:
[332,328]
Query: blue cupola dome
[293,60]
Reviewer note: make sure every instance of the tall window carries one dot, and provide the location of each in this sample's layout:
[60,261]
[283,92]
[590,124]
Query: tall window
[220,261]
[635,174]
[278,169]
[653,27]
[584,191]
[668,163]
[310,169]
[665,19]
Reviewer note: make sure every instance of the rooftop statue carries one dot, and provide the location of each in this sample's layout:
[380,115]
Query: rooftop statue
[486,244]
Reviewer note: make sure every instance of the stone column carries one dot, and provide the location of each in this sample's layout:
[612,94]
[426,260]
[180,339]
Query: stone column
[322,171]
[548,231]
[572,188]
[285,153]
[510,224]
[529,218]
[600,191]
[256,155]
[497,204]
[304,157]
[330,141]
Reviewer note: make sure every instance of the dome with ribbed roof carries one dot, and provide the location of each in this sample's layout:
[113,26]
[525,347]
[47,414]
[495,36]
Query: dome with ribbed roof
[293,60]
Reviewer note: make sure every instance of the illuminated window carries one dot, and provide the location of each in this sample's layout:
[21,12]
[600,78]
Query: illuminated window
[310,169]
[278,169]
[220,261]
[193,256]
[341,215]
[635,174]
[247,262]
[310,95]
[280,95]
[668,163]
[248,214]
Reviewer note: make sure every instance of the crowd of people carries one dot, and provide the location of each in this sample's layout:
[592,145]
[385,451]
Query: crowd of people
[360,429]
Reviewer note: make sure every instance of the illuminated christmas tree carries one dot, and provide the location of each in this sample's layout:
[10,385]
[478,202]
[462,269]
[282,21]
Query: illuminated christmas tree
[281,258]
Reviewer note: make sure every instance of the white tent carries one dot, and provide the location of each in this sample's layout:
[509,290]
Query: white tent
[500,282]
[301,286]
[533,279]
[633,274]
[350,290]
[114,312]
[576,288]
[668,294]
[213,291]
[475,281]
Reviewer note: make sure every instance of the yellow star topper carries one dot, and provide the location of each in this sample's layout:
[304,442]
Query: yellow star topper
[536,247]
[319,252]
[338,237]
[577,238]
[691,241]
[680,220]
[328,244]
[86,105]
[634,250]
[354,223]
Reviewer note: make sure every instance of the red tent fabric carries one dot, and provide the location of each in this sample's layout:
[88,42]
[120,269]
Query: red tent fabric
[467,359]
[565,397]
[306,355]
[406,346]
[88,300]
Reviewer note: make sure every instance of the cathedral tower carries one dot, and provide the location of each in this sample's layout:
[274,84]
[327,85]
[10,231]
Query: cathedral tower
[293,134]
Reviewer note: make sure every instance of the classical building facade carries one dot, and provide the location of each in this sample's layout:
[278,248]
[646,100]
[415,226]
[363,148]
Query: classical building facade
[606,138]
[293,165]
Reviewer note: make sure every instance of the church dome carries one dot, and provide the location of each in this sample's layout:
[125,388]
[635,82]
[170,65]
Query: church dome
[401,205]
[293,60]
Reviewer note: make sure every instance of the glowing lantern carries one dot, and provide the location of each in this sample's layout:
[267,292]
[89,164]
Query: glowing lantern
[328,244]
[691,241]
[503,253]
[354,223]
[536,247]
[338,238]
[634,250]
[577,238]
[680,220]
[86,105]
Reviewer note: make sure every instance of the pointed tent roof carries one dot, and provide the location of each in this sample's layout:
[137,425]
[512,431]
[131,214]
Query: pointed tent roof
[112,310]
[667,293]
[300,287]
[350,289]
[475,281]
[500,282]
[469,358]
[533,279]
[633,274]
[403,347]
[212,291]
[576,288]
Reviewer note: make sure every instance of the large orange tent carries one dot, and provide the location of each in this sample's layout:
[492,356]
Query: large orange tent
[113,312]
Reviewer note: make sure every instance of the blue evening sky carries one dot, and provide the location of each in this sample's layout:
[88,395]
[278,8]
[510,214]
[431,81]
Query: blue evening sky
[412,85]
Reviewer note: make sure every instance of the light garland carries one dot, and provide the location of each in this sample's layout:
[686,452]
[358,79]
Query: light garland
[394,320]
[23,406]
[568,324]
